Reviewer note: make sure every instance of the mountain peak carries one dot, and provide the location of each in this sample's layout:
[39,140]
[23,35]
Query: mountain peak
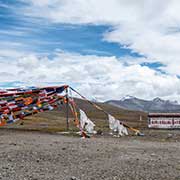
[127,97]
[157,99]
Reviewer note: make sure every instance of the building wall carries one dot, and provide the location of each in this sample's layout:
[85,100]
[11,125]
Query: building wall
[164,122]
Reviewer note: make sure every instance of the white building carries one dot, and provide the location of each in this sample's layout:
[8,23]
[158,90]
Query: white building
[164,120]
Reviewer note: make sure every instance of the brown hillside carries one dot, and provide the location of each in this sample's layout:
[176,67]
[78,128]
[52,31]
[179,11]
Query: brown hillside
[56,120]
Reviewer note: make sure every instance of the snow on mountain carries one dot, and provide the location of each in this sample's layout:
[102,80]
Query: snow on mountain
[127,97]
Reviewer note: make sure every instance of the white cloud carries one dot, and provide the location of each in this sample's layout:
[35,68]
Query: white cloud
[98,77]
[150,28]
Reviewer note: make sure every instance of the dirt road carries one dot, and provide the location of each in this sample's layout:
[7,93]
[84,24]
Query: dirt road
[36,156]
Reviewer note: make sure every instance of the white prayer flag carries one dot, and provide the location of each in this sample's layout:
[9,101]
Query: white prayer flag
[86,123]
[116,126]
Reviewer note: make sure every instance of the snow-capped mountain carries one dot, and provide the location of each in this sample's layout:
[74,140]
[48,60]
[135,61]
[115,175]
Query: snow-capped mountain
[127,97]
[155,105]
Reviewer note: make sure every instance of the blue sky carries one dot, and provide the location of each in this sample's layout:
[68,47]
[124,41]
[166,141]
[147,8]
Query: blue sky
[42,37]
[126,47]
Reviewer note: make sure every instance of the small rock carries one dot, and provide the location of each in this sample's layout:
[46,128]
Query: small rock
[170,136]
[74,178]
[153,154]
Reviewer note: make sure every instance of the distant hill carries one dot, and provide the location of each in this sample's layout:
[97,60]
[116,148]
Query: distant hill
[56,120]
[155,105]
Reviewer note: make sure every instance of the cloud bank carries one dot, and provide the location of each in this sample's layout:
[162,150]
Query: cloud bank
[97,77]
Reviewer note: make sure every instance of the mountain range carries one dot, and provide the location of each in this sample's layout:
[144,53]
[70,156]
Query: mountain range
[155,105]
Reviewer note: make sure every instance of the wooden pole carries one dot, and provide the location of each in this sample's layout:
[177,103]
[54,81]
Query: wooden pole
[67,110]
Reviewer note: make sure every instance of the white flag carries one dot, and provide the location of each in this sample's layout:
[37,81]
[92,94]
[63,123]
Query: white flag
[116,126]
[112,123]
[86,123]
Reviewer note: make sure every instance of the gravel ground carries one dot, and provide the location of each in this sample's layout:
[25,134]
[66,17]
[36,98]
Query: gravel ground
[36,156]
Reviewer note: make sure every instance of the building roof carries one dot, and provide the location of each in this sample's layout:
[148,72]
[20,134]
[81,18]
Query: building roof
[164,115]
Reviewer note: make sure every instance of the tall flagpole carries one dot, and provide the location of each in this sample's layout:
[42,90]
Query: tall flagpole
[67,110]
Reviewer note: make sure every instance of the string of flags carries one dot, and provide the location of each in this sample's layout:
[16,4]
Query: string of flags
[115,125]
[15,104]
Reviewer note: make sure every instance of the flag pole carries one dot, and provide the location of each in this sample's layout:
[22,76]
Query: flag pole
[67,110]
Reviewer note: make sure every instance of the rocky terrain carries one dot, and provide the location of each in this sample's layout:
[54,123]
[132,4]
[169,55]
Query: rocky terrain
[35,156]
